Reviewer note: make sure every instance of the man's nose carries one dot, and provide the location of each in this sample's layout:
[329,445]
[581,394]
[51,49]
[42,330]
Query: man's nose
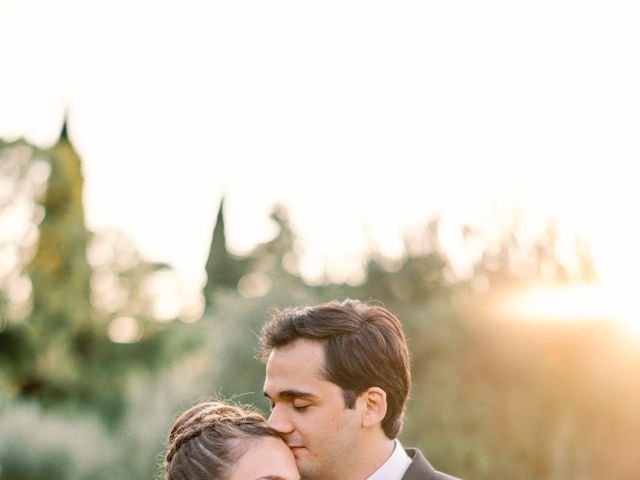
[279,421]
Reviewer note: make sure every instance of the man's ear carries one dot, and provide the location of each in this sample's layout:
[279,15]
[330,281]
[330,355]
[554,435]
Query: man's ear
[375,406]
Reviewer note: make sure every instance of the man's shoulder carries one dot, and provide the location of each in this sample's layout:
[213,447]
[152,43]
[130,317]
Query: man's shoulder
[421,469]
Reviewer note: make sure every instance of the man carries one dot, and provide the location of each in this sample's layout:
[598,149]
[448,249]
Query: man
[338,377]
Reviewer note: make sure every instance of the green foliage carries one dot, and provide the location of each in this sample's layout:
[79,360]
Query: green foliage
[74,445]
[232,323]
[61,351]
[60,330]
[233,367]
[34,445]
[492,397]
[223,269]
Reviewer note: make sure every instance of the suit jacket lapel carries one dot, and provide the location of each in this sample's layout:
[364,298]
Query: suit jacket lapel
[420,468]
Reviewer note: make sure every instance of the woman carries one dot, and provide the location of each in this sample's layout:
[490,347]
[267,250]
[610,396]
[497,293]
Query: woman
[216,441]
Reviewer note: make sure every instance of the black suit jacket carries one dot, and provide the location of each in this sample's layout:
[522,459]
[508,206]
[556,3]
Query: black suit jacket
[421,469]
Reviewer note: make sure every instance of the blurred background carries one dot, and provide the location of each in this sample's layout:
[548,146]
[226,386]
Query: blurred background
[171,172]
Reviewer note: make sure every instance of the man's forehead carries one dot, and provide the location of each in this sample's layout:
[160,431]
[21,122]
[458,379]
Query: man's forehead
[309,351]
[295,367]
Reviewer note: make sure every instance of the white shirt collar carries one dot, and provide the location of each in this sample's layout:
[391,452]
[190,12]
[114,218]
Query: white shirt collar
[395,466]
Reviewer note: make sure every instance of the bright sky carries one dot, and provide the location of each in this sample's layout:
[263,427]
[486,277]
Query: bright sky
[365,118]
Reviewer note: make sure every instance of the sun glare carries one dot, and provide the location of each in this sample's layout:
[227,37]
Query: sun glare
[593,302]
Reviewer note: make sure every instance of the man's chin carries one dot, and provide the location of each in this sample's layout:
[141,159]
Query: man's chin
[305,465]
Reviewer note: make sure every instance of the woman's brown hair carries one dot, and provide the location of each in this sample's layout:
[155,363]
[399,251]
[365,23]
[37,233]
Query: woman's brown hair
[207,440]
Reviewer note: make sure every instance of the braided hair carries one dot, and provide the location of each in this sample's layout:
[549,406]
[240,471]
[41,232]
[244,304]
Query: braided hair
[208,440]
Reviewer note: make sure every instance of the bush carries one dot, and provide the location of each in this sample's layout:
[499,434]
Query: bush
[35,445]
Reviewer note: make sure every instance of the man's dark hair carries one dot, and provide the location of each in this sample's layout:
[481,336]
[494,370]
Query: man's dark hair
[364,347]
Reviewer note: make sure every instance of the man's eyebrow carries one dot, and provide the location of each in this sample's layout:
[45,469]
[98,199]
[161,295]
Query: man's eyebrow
[292,394]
